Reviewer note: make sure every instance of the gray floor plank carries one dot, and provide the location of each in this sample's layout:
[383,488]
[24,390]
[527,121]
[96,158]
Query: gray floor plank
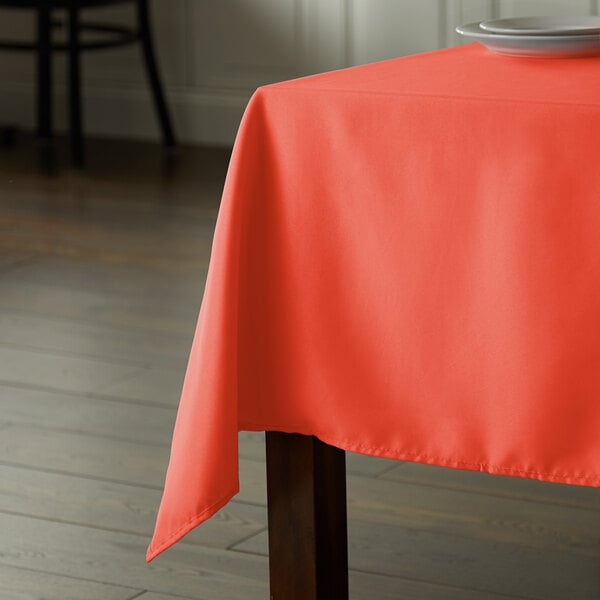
[126,279]
[370,586]
[154,596]
[80,454]
[62,372]
[117,558]
[25,584]
[543,574]
[114,507]
[484,483]
[75,413]
[10,259]
[467,563]
[154,385]
[483,517]
[91,340]
[133,247]
[127,240]
[149,313]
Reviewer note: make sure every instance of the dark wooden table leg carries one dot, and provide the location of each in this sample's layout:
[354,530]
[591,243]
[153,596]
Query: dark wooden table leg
[308,547]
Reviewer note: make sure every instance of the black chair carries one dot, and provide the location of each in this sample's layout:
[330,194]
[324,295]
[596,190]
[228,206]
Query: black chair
[111,36]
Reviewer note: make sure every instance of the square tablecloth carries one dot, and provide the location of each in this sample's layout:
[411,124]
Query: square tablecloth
[406,264]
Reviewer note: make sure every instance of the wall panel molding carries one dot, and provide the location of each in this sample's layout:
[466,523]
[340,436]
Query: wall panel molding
[465,11]
[200,117]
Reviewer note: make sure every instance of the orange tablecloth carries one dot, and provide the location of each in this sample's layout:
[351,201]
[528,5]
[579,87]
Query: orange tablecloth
[406,264]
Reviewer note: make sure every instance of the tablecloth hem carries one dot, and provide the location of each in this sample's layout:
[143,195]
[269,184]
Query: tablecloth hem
[158,547]
[398,454]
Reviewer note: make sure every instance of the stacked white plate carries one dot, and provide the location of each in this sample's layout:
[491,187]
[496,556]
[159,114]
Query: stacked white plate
[553,37]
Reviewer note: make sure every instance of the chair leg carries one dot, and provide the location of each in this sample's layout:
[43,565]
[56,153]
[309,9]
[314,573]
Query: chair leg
[44,72]
[75,112]
[160,104]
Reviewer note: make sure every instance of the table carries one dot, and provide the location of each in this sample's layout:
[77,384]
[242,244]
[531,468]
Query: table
[406,264]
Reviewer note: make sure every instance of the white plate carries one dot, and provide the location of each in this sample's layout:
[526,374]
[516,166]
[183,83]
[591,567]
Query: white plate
[544,25]
[542,46]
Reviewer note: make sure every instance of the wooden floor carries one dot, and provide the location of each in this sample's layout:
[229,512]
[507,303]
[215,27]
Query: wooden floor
[101,276]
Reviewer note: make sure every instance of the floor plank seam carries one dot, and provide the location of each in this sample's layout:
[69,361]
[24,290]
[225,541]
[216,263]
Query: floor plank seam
[138,595]
[67,354]
[120,294]
[429,582]
[7,268]
[86,433]
[232,547]
[86,579]
[145,535]
[5,424]
[453,535]
[122,379]
[129,326]
[145,486]
[95,324]
[82,525]
[546,501]
[86,395]
[387,470]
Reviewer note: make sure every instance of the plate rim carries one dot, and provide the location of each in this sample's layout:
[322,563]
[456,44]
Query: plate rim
[534,46]
[567,30]
[474,30]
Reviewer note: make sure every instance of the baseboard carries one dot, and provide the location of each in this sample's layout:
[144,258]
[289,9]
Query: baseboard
[200,117]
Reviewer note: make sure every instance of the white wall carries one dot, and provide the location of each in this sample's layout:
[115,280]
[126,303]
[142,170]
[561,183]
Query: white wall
[214,54]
